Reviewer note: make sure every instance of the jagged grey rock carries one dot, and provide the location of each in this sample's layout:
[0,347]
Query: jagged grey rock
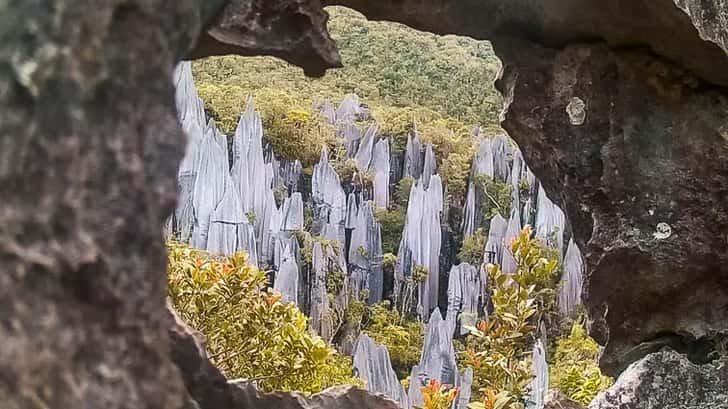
[292,213]
[413,160]
[352,137]
[330,202]
[349,109]
[438,360]
[365,253]
[466,294]
[374,366]
[209,188]
[287,277]
[429,167]
[571,280]
[550,222]
[381,169]
[496,239]
[286,173]
[483,161]
[229,230]
[469,211]
[540,382]
[320,315]
[509,265]
[421,241]
[326,109]
[501,151]
[363,156]
[667,380]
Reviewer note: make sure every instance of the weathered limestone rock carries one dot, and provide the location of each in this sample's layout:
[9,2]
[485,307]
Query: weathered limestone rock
[572,280]
[292,213]
[381,169]
[421,240]
[550,222]
[643,180]
[294,30]
[330,202]
[363,156]
[540,382]
[320,314]
[667,380]
[466,295]
[509,263]
[495,245]
[230,231]
[556,399]
[365,252]
[438,362]
[286,279]
[373,365]
[413,160]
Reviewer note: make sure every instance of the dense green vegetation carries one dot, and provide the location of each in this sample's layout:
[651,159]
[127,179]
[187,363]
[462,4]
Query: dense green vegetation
[574,369]
[250,333]
[441,86]
[388,65]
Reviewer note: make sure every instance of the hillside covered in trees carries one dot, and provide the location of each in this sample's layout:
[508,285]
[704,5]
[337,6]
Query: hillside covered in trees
[388,65]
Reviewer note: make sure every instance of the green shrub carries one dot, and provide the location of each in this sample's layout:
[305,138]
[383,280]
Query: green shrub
[392,225]
[403,337]
[250,333]
[574,366]
[498,197]
[499,349]
[402,191]
[473,248]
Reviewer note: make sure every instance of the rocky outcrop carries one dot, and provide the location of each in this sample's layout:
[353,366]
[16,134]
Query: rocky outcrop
[374,367]
[675,29]
[620,110]
[667,380]
[556,399]
[294,30]
[643,178]
[89,149]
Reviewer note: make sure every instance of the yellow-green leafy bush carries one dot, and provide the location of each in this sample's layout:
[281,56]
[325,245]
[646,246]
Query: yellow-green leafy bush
[499,349]
[438,396]
[402,336]
[498,196]
[392,225]
[473,248]
[574,366]
[250,333]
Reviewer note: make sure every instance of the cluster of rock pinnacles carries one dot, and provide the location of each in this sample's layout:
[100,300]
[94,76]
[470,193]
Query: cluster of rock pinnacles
[223,181]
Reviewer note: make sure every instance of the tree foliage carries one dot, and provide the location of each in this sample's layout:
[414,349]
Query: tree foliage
[500,347]
[403,337]
[574,368]
[250,333]
[387,64]
[473,248]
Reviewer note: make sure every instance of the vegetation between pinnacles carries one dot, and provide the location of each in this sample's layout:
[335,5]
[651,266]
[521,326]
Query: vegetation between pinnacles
[250,333]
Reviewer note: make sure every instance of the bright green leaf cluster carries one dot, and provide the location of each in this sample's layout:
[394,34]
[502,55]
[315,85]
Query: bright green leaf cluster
[473,248]
[402,336]
[499,348]
[250,333]
[574,368]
